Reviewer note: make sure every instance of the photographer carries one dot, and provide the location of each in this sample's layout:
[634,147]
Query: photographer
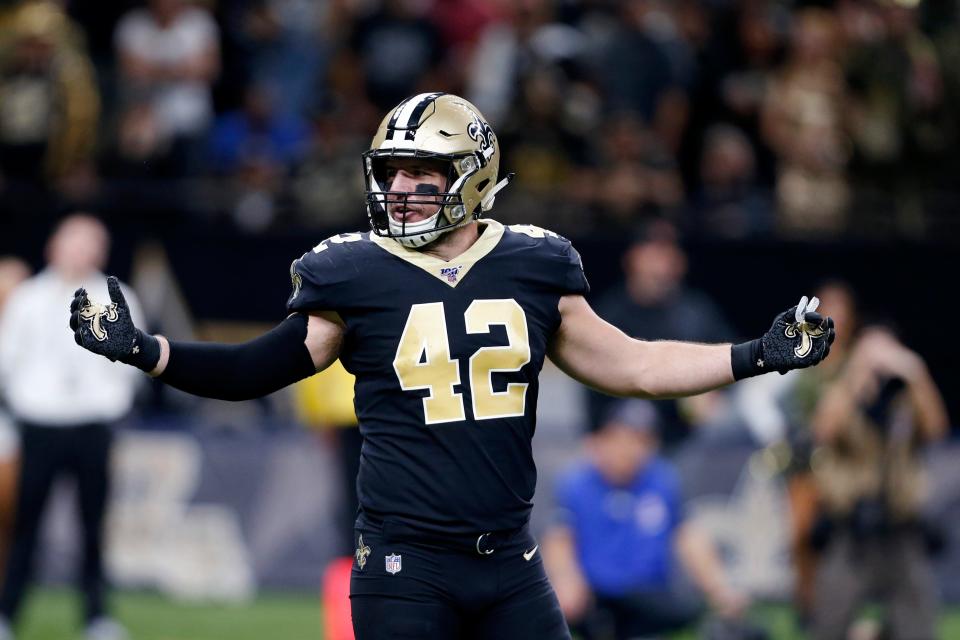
[872,424]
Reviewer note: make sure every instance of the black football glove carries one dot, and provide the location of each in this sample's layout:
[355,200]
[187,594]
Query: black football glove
[799,338]
[109,331]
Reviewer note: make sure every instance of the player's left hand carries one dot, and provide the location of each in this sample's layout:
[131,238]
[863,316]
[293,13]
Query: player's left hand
[799,338]
[108,330]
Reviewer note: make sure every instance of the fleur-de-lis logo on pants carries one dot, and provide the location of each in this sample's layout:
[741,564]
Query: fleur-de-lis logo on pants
[807,332]
[361,553]
[96,315]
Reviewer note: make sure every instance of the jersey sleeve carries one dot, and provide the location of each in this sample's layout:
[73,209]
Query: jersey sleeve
[322,278]
[557,263]
[576,279]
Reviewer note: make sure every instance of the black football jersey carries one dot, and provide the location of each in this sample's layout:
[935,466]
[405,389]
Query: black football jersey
[446,357]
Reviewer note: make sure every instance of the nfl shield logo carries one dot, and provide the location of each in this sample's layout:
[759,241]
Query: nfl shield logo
[393,563]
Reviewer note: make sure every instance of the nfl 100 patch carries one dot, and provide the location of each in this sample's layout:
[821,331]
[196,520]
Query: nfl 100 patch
[393,563]
[451,273]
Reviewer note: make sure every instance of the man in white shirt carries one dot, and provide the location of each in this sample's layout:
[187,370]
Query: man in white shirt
[169,56]
[64,401]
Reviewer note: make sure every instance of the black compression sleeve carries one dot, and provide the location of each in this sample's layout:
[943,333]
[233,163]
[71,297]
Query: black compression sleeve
[242,371]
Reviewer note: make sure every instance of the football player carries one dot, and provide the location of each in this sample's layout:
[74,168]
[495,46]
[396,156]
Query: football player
[445,318]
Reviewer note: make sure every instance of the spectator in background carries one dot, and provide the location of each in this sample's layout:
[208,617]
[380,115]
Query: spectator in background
[169,55]
[803,122]
[503,44]
[542,139]
[612,559]
[65,402]
[49,103]
[286,48]
[648,43]
[327,184]
[523,40]
[13,271]
[462,24]
[872,424]
[257,148]
[257,133]
[757,42]
[399,48]
[654,303]
[637,178]
[944,23]
[140,149]
[730,202]
[546,100]
[902,126]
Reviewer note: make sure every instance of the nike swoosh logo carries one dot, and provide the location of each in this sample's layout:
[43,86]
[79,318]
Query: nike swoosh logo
[529,554]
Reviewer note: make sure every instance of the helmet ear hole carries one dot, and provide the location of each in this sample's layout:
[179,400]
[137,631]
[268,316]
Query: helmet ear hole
[483,184]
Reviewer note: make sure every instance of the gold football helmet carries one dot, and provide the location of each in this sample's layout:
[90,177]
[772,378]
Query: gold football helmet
[436,126]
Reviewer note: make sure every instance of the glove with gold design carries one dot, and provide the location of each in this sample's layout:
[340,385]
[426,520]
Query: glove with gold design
[108,330]
[799,338]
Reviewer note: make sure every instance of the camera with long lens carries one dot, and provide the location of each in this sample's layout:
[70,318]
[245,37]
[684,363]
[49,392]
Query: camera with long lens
[880,409]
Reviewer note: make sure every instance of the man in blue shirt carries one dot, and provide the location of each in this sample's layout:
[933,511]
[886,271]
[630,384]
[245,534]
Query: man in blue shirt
[612,556]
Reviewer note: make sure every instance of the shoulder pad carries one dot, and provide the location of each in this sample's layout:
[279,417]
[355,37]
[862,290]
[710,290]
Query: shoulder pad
[555,247]
[535,232]
[317,275]
[338,240]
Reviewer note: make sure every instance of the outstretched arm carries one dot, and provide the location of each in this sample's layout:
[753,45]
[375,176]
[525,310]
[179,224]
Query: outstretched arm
[324,335]
[599,355]
[596,353]
[295,349]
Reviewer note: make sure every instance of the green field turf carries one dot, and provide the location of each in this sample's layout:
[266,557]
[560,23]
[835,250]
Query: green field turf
[53,614]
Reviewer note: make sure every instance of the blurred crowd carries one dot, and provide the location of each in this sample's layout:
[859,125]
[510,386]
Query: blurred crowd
[732,118]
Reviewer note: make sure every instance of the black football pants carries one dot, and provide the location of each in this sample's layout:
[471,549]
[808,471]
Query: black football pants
[426,589]
[48,452]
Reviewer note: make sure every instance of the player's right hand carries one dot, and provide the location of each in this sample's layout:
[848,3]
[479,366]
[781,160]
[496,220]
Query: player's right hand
[108,330]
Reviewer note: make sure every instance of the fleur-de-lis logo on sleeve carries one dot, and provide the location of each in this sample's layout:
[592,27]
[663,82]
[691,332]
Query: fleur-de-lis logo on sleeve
[295,280]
